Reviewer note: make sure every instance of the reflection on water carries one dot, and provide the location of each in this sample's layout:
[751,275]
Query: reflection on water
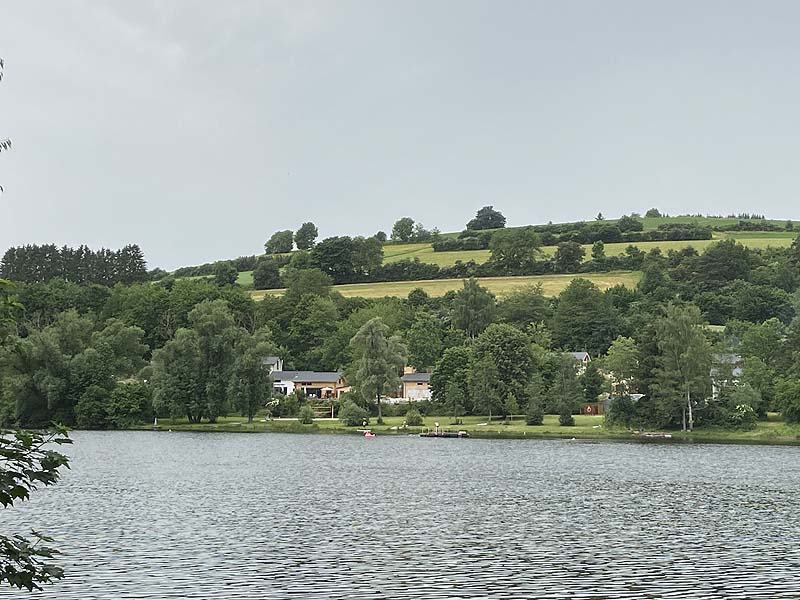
[168,515]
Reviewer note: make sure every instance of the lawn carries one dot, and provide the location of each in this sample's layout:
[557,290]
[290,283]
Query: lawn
[772,431]
[500,286]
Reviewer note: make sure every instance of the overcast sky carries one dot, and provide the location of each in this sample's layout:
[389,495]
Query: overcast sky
[196,129]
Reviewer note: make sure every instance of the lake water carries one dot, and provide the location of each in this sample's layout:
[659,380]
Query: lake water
[185,515]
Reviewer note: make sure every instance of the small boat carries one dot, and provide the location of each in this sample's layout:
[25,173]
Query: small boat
[369,434]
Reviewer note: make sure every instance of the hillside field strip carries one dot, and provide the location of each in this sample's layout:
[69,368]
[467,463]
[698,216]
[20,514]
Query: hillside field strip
[500,286]
[751,239]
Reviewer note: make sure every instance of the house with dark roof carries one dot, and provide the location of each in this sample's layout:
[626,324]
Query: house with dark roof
[315,384]
[416,386]
[582,359]
[272,363]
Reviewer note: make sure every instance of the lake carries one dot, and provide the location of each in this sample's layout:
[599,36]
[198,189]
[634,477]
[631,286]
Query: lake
[237,516]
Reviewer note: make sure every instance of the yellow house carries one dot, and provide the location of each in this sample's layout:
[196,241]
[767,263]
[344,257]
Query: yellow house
[416,386]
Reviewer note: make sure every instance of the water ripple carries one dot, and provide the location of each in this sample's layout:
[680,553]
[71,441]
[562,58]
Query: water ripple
[158,515]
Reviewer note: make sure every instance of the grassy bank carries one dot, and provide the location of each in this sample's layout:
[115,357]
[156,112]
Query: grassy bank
[500,286]
[586,428]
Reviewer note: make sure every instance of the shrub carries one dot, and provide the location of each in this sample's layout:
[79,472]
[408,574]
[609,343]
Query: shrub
[130,403]
[535,413]
[743,417]
[305,415]
[413,417]
[90,411]
[565,419]
[622,411]
[352,415]
[288,406]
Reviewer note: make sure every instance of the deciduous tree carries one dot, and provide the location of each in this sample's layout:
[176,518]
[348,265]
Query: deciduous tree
[568,257]
[684,362]
[380,361]
[225,273]
[473,308]
[487,218]
[515,250]
[403,229]
[305,237]
[281,242]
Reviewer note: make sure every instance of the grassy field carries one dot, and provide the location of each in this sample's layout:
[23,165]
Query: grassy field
[751,239]
[500,286]
[586,427]
[654,222]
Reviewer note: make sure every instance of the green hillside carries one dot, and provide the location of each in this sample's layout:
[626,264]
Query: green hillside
[394,252]
[751,239]
[500,286]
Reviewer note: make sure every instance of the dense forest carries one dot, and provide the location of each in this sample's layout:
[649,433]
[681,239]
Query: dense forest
[94,355]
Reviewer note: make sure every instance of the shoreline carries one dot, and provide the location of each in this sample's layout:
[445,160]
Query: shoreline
[764,435]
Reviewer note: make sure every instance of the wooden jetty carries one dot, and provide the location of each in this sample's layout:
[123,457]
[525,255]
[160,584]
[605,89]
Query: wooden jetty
[438,432]
[445,434]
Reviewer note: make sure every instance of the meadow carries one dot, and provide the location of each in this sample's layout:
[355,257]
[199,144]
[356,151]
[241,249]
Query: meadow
[500,286]
[751,239]
[393,252]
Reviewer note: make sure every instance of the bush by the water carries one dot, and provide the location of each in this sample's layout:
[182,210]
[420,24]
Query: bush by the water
[743,417]
[306,415]
[534,414]
[622,412]
[413,418]
[352,415]
[565,419]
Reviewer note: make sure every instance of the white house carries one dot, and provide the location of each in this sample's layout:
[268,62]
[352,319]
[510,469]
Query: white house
[272,363]
[582,359]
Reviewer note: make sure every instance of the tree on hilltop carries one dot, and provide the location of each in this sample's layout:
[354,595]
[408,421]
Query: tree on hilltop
[305,237]
[281,242]
[487,218]
[403,229]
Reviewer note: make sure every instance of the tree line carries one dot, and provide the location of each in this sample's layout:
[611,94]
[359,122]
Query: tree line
[82,265]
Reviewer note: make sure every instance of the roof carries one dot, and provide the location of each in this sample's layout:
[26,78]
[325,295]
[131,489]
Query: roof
[416,377]
[316,376]
[270,360]
[579,355]
[731,359]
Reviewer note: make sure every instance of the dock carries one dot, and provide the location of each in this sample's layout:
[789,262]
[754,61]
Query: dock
[438,432]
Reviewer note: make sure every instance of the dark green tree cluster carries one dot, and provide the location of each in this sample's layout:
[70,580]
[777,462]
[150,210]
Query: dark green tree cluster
[487,218]
[211,367]
[407,230]
[347,259]
[82,265]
